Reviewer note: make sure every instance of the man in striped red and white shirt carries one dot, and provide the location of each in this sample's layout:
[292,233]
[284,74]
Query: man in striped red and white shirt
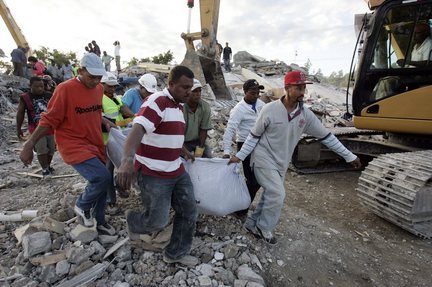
[155,145]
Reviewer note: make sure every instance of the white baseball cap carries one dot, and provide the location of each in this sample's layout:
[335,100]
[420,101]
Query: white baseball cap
[196,84]
[110,79]
[93,64]
[149,82]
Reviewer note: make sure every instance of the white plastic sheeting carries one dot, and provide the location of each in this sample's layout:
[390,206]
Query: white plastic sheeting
[220,189]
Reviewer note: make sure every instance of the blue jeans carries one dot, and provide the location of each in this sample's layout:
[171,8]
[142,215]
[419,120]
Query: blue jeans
[158,195]
[98,180]
[266,214]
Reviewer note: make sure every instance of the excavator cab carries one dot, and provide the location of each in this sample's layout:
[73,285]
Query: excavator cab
[393,85]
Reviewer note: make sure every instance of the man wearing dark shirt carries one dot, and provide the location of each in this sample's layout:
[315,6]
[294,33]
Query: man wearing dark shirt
[227,52]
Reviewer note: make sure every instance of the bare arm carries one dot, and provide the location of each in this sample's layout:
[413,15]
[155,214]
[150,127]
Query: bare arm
[126,112]
[202,137]
[20,118]
[26,154]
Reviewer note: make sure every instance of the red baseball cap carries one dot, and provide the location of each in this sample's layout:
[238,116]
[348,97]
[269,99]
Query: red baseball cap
[296,78]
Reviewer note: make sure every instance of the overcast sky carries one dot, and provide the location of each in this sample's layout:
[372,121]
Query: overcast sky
[322,31]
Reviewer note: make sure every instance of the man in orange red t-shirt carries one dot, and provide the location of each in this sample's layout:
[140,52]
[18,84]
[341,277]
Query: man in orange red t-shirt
[75,114]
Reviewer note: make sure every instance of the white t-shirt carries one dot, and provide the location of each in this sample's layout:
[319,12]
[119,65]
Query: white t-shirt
[117,50]
[422,53]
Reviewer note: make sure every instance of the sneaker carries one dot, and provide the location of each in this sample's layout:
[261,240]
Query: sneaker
[51,169]
[187,260]
[46,173]
[106,229]
[267,236]
[85,217]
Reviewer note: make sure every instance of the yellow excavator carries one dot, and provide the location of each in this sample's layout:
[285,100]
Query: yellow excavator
[203,61]
[393,93]
[391,113]
[13,27]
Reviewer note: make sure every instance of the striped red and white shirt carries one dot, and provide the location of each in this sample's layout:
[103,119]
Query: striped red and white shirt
[161,146]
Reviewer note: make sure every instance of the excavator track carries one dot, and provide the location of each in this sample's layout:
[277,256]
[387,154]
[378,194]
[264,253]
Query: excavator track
[398,188]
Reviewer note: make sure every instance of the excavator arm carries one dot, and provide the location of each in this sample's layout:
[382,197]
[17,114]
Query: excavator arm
[15,31]
[203,61]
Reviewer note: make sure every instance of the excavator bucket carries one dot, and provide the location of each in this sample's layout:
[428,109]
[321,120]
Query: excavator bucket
[207,70]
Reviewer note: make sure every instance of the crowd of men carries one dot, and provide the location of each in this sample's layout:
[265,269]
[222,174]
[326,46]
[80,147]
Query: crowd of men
[165,126]
[56,71]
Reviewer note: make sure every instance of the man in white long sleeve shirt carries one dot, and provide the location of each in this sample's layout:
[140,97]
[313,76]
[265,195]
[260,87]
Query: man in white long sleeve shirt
[272,142]
[242,118]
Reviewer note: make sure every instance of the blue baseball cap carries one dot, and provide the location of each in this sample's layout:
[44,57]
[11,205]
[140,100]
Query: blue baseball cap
[93,64]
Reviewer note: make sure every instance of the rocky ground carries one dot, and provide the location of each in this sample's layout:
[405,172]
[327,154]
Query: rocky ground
[326,238]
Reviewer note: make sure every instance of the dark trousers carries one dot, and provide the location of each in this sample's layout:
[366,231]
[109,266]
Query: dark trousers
[251,182]
[18,69]
[158,195]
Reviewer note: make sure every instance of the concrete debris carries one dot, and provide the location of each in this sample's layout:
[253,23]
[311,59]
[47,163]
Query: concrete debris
[84,234]
[36,243]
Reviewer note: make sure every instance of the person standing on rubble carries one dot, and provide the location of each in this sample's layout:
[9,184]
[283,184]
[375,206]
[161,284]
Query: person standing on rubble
[197,115]
[133,98]
[117,56]
[155,144]
[106,60]
[227,53]
[75,114]
[272,142]
[96,48]
[242,119]
[34,103]
[18,60]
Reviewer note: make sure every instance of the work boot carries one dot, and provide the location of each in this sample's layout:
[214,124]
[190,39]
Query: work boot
[106,229]
[46,173]
[267,236]
[252,230]
[187,260]
[85,217]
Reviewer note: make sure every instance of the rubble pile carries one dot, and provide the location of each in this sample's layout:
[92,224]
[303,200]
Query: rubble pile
[53,250]
[261,66]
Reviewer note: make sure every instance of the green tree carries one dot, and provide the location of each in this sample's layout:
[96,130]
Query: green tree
[165,58]
[59,57]
[133,62]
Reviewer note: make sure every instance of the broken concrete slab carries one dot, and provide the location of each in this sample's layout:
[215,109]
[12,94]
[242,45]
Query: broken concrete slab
[49,259]
[84,234]
[62,268]
[36,243]
[246,273]
[46,223]
[85,277]
[77,255]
